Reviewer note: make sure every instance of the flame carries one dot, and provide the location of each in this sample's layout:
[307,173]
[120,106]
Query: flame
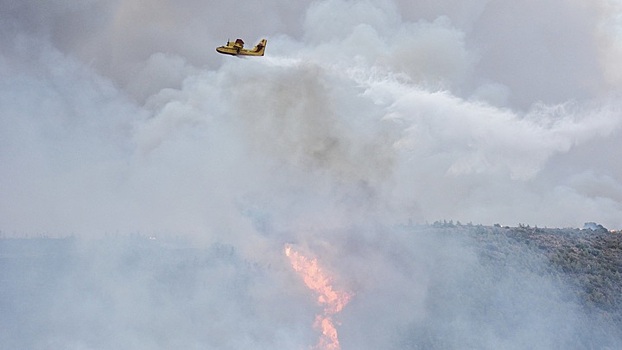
[332,300]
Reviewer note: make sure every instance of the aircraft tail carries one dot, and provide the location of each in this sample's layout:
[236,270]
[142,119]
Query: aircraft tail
[260,48]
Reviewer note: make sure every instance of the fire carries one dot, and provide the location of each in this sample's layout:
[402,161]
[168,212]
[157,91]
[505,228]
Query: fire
[332,300]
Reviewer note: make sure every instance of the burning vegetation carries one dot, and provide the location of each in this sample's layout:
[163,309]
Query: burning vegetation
[458,286]
[333,301]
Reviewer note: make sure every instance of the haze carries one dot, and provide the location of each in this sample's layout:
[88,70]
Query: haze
[119,118]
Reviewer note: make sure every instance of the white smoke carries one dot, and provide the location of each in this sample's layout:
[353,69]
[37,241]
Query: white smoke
[411,112]
[119,117]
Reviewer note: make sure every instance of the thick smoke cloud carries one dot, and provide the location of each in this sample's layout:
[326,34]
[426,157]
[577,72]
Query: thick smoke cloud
[438,117]
[119,117]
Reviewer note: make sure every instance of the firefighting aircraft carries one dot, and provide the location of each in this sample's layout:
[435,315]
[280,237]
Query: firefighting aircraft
[236,48]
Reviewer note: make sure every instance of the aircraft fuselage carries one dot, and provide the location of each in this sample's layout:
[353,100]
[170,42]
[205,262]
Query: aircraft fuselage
[236,48]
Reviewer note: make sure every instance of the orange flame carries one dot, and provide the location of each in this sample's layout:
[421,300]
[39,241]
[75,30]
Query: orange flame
[332,300]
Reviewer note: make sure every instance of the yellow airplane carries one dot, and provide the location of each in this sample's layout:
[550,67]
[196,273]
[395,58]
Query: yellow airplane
[236,48]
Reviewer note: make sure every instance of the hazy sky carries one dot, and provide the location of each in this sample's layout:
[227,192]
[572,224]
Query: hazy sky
[119,116]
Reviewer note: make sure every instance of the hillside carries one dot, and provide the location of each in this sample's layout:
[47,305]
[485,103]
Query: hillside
[439,286]
[588,260]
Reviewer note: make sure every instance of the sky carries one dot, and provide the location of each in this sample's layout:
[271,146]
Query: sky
[119,118]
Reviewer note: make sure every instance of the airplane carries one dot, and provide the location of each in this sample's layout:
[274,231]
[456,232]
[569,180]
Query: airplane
[236,48]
